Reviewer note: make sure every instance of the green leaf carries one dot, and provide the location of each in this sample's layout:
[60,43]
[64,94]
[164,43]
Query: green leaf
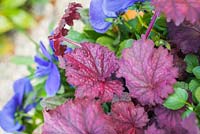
[194,84]
[106,107]
[197,109]
[124,44]
[186,113]
[196,72]
[191,61]
[22,60]
[106,41]
[176,100]
[77,37]
[5,24]
[84,13]
[197,94]
[52,102]
[12,3]
[181,84]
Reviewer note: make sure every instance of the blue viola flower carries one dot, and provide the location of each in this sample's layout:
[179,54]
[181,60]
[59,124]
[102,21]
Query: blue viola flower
[49,69]
[8,122]
[102,9]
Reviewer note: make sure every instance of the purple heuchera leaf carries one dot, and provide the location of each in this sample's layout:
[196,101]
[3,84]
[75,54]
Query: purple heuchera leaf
[89,68]
[128,118]
[178,10]
[172,123]
[80,116]
[190,124]
[148,71]
[186,37]
[154,130]
[168,118]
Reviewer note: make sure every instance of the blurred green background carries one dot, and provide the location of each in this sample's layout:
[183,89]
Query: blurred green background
[17,16]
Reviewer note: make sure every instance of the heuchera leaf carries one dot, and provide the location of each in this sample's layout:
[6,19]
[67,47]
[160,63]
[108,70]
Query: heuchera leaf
[127,117]
[154,130]
[178,10]
[80,116]
[185,37]
[148,71]
[171,122]
[89,68]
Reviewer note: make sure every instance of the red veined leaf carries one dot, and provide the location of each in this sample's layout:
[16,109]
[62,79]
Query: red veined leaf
[80,116]
[127,117]
[90,69]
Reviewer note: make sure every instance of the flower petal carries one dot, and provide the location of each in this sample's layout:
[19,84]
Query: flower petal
[43,70]
[45,52]
[7,116]
[40,61]
[53,81]
[21,87]
[97,17]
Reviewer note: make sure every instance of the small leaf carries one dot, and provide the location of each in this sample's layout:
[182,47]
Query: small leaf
[52,102]
[194,84]
[197,94]
[196,72]
[191,61]
[124,44]
[106,41]
[181,84]
[22,60]
[186,113]
[76,36]
[197,109]
[176,100]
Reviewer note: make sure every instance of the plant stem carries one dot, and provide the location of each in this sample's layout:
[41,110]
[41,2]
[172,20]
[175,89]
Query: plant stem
[145,25]
[155,16]
[71,42]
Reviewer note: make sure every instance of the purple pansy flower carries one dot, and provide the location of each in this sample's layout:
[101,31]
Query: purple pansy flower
[102,9]
[7,115]
[48,68]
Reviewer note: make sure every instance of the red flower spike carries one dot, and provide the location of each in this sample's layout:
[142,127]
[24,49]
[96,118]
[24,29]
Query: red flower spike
[70,15]
[149,72]
[179,10]
[89,68]
[128,118]
[80,116]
